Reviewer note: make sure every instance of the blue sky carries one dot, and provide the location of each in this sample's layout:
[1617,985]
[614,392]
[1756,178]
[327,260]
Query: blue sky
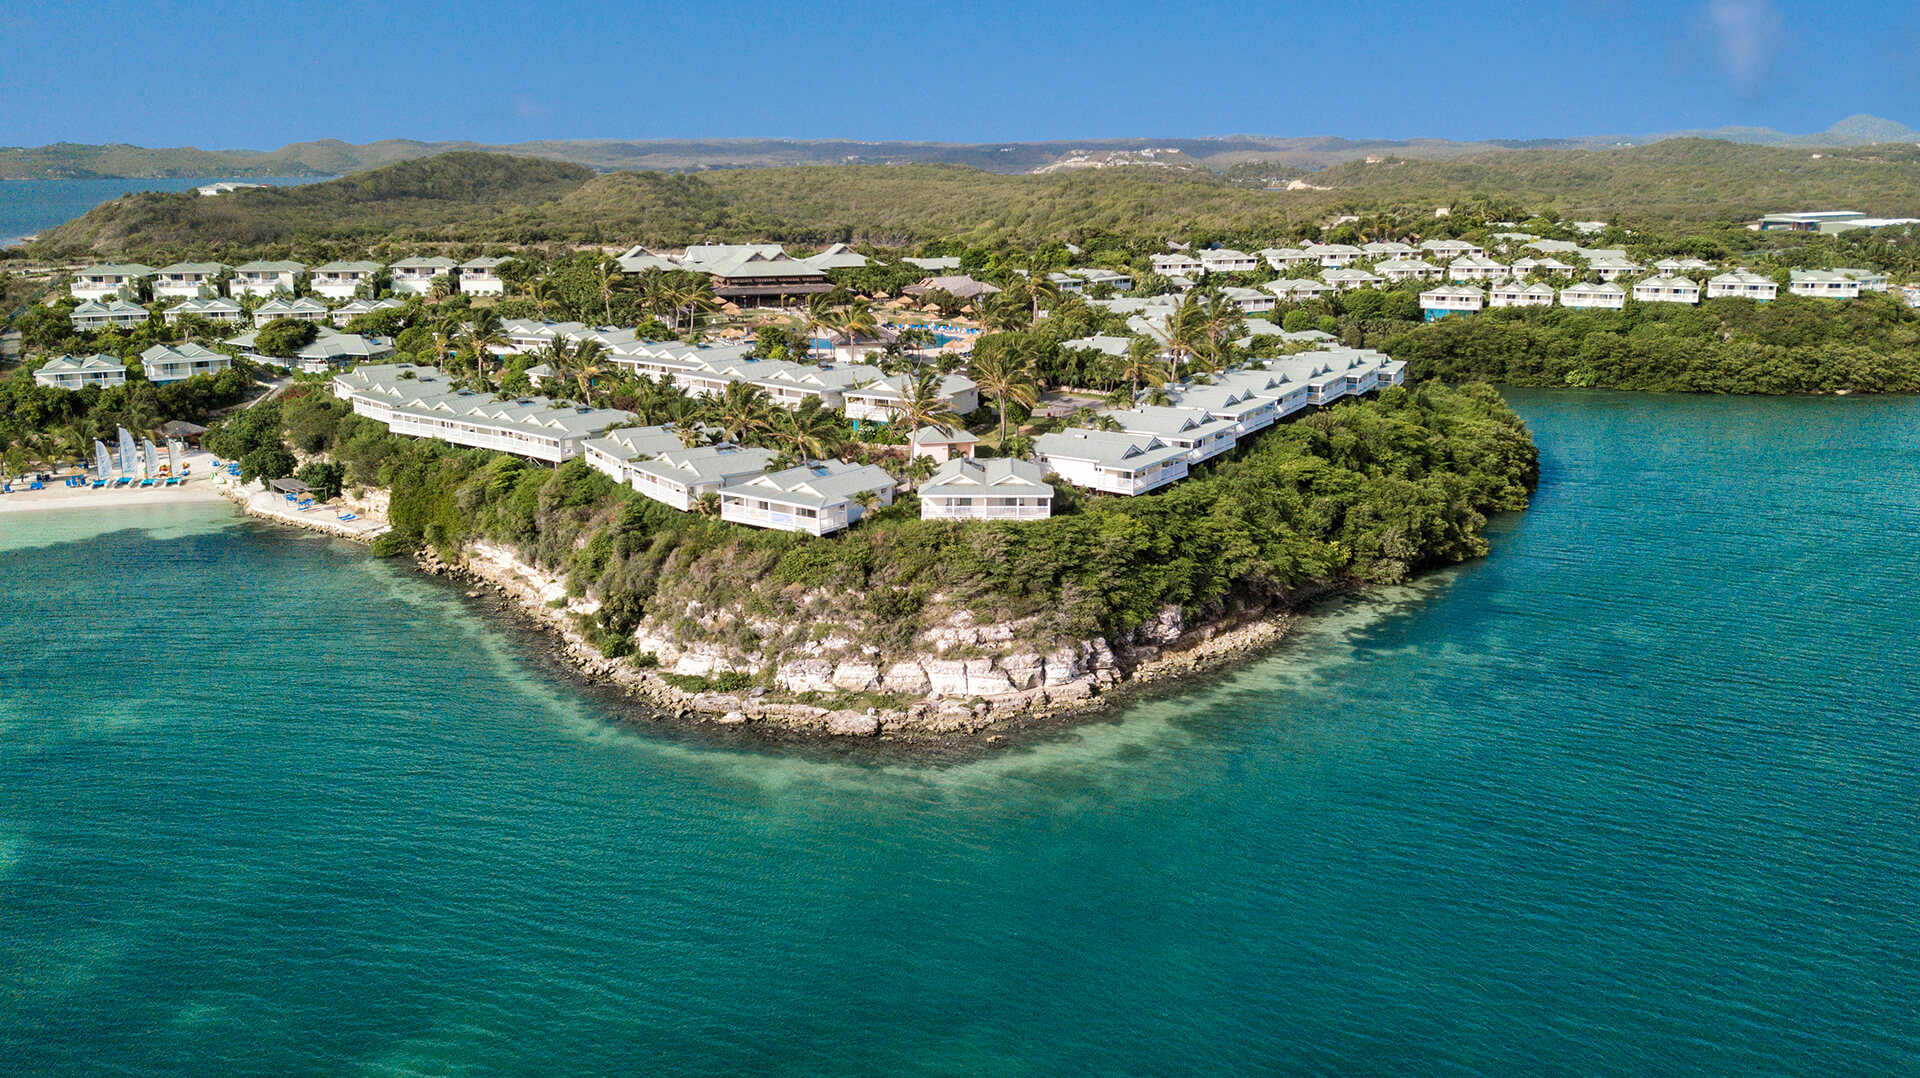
[158,73]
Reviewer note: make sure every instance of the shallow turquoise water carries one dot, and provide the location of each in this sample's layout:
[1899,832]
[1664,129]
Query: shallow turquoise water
[1635,795]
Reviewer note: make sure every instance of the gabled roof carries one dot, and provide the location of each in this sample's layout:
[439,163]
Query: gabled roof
[440,262]
[278,305]
[1113,346]
[348,267]
[1170,422]
[96,363]
[965,475]
[261,266]
[484,262]
[115,269]
[1111,449]
[211,269]
[706,464]
[186,351]
[943,436]
[815,485]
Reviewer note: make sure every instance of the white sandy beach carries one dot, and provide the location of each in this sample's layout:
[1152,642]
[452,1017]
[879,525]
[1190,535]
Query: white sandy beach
[198,488]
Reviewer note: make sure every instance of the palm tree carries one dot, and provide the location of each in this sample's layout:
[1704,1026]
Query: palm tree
[483,336]
[1035,288]
[742,409]
[856,320]
[583,359]
[608,278]
[1004,377]
[810,429]
[923,405]
[1001,314]
[1142,364]
[816,318]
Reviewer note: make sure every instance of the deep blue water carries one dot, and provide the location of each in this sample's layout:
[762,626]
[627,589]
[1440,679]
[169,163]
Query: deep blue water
[1635,795]
[28,207]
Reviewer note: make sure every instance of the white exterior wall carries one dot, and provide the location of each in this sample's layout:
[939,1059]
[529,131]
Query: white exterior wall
[341,286]
[1088,474]
[263,284]
[477,284]
[986,505]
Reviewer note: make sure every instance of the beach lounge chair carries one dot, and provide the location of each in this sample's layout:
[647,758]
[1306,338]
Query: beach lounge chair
[36,485]
[99,483]
[144,483]
[349,516]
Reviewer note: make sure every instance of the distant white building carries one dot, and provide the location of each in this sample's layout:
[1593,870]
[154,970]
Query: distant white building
[998,489]
[1177,265]
[480,277]
[95,315]
[818,499]
[1387,249]
[1608,268]
[339,280]
[265,278]
[1407,269]
[108,280]
[1333,255]
[1674,267]
[1192,429]
[1608,296]
[1475,268]
[414,276]
[1228,260]
[355,308]
[1742,283]
[419,402]
[173,363]
[1249,300]
[1281,258]
[671,473]
[1448,250]
[188,280]
[1348,278]
[1520,294]
[1449,299]
[1666,290]
[304,309]
[1542,267]
[1115,463]
[74,372]
[1870,280]
[1299,289]
[217,309]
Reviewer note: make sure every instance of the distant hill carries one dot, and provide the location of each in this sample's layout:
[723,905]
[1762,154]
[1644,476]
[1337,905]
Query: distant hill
[331,157]
[470,197]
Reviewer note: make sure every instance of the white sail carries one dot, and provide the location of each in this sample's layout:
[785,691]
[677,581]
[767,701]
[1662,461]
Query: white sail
[128,457]
[102,460]
[174,450]
[151,456]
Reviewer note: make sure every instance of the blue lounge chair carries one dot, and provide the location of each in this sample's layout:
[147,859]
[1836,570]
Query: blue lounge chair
[36,485]
[349,516]
[99,483]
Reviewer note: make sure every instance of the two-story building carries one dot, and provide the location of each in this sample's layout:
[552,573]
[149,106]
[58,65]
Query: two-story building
[1744,284]
[1407,269]
[340,280]
[414,276]
[217,309]
[1822,284]
[109,280]
[353,309]
[1177,265]
[1228,260]
[304,309]
[1475,268]
[679,477]
[1449,299]
[481,276]
[264,278]
[1606,296]
[1001,488]
[1520,294]
[188,280]
[1667,290]
[881,400]
[95,315]
[74,372]
[1348,278]
[176,362]
[1109,461]
[1191,429]
[818,499]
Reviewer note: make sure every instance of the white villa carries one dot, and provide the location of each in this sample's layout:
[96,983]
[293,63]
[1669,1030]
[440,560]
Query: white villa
[1281,258]
[217,309]
[304,309]
[1202,436]
[354,309]
[997,489]
[108,280]
[73,372]
[1520,294]
[1228,260]
[818,499]
[1247,410]
[1407,269]
[1299,289]
[1544,267]
[1475,268]
[1608,296]
[1822,284]
[1451,299]
[188,280]
[1116,463]
[1869,280]
[421,403]
[264,278]
[1119,282]
[1609,268]
[480,277]
[329,351]
[1742,283]
[1330,255]
[1346,278]
[1674,267]
[1448,250]
[173,363]
[94,315]
[1177,265]
[679,477]
[1249,300]
[615,451]
[1665,289]
[414,276]
[339,280]
[881,399]
[1388,249]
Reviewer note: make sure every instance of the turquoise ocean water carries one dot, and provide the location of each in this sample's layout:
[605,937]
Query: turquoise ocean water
[1636,795]
[31,206]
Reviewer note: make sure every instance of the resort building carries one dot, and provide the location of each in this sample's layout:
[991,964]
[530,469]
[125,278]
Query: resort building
[1282,258]
[73,372]
[95,315]
[1519,294]
[1119,282]
[1822,284]
[837,256]
[340,280]
[1191,429]
[818,499]
[1249,300]
[109,280]
[942,264]
[1347,278]
[1105,344]
[1542,267]
[1448,250]
[1283,385]
[265,278]
[481,277]
[1331,255]
[1742,283]
[1111,462]
[304,309]
[942,444]
[755,275]
[1607,297]
[999,489]
[881,399]
[329,351]
[1806,222]
[1475,268]
[1228,260]
[1608,267]
[614,452]
[354,309]
[414,276]
[679,477]
[1674,267]
[173,363]
[188,280]
[1870,281]
[421,403]
[1299,289]
[1177,265]
[1407,269]
[217,309]
[1388,249]
[1451,299]
[1246,410]
[1667,290]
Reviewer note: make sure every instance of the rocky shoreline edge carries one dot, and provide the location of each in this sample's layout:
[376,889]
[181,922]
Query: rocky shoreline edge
[1098,678]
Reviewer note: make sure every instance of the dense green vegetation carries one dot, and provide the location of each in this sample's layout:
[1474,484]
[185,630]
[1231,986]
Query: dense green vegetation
[472,197]
[42,424]
[1367,491]
[1788,345]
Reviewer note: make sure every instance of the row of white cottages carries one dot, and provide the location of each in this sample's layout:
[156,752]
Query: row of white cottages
[97,314]
[1155,445]
[161,364]
[1611,295]
[817,497]
[864,393]
[334,280]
